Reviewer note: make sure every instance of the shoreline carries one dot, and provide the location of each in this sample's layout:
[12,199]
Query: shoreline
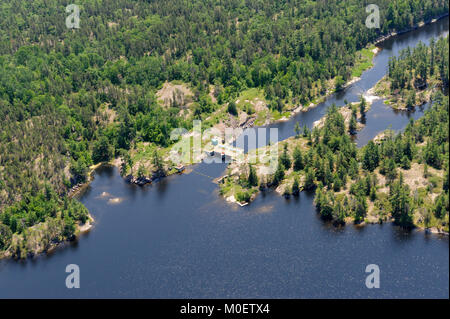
[87,226]
[395,100]
[79,231]
[323,98]
[377,50]
[79,188]
[370,96]
[421,24]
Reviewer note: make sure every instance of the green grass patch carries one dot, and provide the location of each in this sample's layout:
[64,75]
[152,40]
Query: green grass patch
[364,59]
[261,118]
[250,95]
[276,115]
[143,151]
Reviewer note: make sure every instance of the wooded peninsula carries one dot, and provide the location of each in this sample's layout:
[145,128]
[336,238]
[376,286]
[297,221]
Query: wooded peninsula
[114,89]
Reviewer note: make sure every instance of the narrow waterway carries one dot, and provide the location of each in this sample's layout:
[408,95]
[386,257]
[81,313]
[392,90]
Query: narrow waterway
[380,116]
[179,239]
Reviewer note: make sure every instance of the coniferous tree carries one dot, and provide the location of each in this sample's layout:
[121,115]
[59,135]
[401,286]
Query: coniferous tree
[297,130]
[371,156]
[309,178]
[285,158]
[399,197]
[252,177]
[295,187]
[353,126]
[279,174]
[298,159]
[232,109]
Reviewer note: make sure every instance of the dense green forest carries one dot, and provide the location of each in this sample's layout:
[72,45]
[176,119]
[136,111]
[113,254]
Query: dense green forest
[415,74]
[404,177]
[413,67]
[70,98]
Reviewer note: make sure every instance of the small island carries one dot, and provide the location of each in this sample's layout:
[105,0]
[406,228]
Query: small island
[415,75]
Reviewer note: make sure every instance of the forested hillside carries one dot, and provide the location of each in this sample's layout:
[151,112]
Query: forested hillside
[72,98]
[403,177]
[415,74]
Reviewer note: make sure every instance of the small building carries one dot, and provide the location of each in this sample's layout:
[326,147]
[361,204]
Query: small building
[180,168]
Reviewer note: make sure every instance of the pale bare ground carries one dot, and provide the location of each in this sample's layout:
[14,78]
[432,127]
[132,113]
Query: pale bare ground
[112,24]
[83,228]
[181,91]
[243,119]
[231,199]
[347,114]
[371,216]
[243,116]
[413,177]
[259,105]
[211,93]
[145,163]
[383,135]
[117,162]
[105,115]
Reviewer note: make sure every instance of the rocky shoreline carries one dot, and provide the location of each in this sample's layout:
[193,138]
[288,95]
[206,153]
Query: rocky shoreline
[81,228]
[415,27]
[248,123]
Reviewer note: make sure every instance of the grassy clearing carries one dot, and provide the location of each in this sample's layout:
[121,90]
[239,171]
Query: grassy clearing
[143,151]
[261,118]
[276,115]
[250,95]
[364,59]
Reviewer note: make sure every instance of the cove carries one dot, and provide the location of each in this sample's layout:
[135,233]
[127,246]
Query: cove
[179,238]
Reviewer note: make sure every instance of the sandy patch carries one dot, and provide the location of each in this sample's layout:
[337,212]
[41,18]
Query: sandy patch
[178,92]
[413,178]
[231,199]
[211,94]
[347,114]
[85,227]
